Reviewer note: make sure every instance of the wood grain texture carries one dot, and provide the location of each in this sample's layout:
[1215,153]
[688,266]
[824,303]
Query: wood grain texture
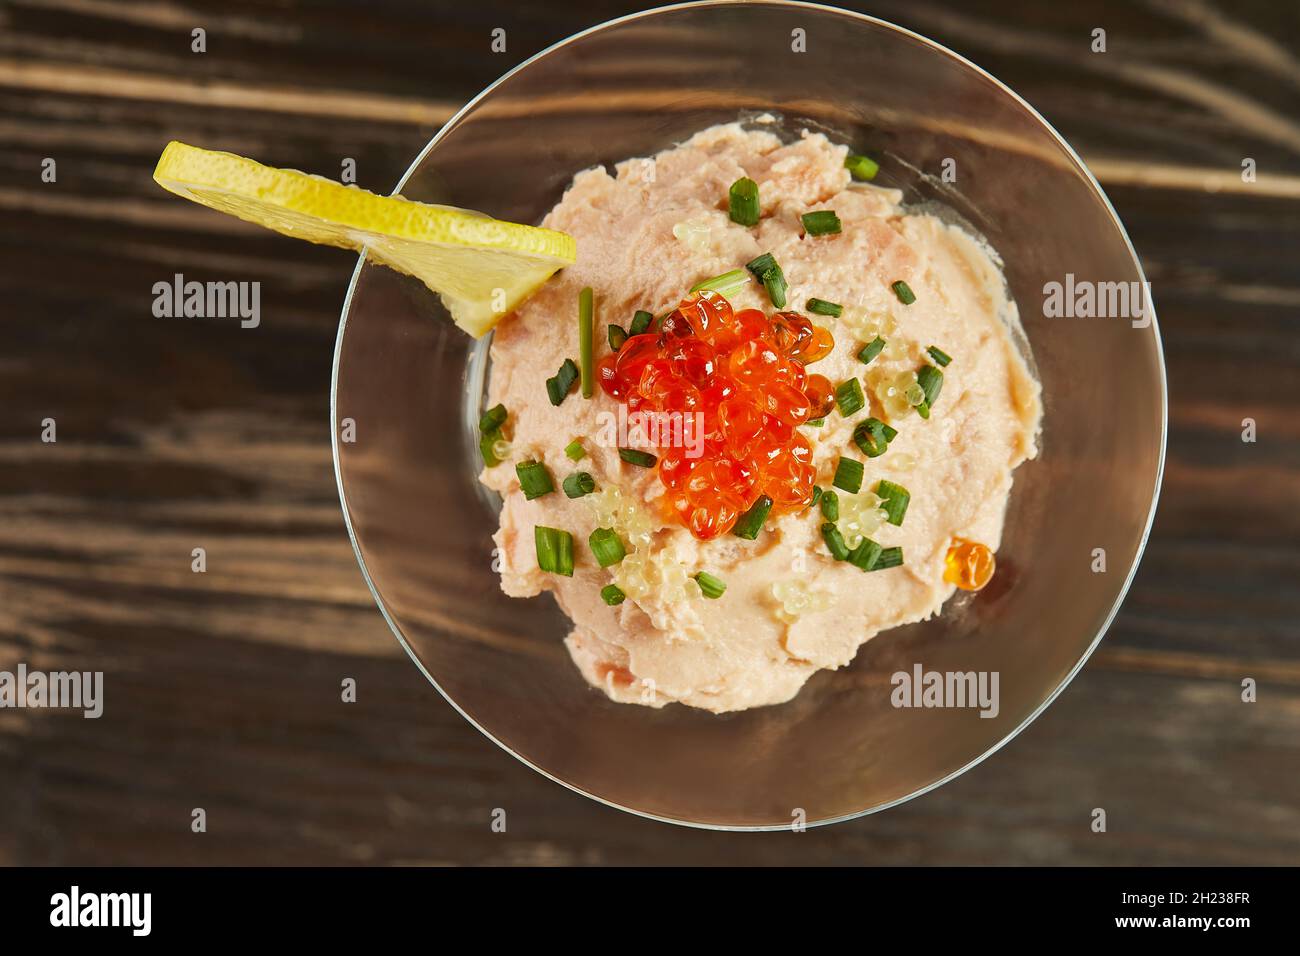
[223,689]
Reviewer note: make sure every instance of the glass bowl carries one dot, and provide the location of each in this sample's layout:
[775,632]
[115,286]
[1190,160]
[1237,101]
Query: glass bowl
[411,384]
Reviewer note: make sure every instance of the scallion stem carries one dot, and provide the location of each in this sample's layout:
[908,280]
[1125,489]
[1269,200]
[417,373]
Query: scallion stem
[554,550]
[634,456]
[823,222]
[848,475]
[534,479]
[904,292]
[896,498]
[710,586]
[742,202]
[862,167]
[822,307]
[751,522]
[607,546]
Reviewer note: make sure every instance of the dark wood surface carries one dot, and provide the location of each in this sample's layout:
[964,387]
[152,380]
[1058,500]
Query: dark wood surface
[223,689]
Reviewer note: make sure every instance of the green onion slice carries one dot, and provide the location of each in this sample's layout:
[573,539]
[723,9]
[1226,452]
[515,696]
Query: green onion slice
[752,521]
[561,383]
[931,381]
[617,336]
[640,322]
[848,475]
[835,542]
[849,397]
[873,437]
[574,450]
[871,350]
[634,456]
[579,484]
[823,222]
[895,498]
[554,550]
[607,546]
[727,284]
[865,555]
[830,505]
[904,292]
[612,595]
[534,479]
[862,167]
[822,307]
[492,419]
[889,558]
[742,202]
[486,442]
[587,341]
[939,355]
[815,422]
[764,268]
[710,586]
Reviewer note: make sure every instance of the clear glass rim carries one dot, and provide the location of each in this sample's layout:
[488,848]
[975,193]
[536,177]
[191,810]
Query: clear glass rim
[1155,491]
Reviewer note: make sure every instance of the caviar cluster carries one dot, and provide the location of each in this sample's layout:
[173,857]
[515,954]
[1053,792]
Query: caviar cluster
[745,373]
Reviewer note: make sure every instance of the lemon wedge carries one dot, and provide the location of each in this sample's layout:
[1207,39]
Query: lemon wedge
[481,267]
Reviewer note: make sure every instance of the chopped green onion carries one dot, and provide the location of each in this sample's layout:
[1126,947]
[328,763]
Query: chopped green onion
[587,341]
[822,307]
[765,269]
[831,506]
[889,558]
[492,419]
[560,384]
[486,443]
[939,355]
[752,521]
[607,546]
[817,496]
[931,381]
[904,292]
[579,484]
[815,422]
[871,350]
[574,450]
[848,475]
[862,167]
[612,595]
[849,397]
[640,322]
[710,586]
[865,555]
[742,202]
[895,498]
[873,437]
[554,550]
[823,222]
[534,479]
[617,336]
[834,542]
[634,456]
[727,284]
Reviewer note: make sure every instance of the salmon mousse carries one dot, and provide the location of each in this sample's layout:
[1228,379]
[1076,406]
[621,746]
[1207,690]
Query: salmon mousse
[767,414]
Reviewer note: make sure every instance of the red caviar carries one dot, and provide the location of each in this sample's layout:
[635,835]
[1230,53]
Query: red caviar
[744,372]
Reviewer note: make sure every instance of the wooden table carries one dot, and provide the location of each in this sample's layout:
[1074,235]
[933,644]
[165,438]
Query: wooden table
[222,689]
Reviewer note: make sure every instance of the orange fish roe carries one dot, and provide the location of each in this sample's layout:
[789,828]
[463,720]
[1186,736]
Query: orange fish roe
[744,372]
[968,564]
